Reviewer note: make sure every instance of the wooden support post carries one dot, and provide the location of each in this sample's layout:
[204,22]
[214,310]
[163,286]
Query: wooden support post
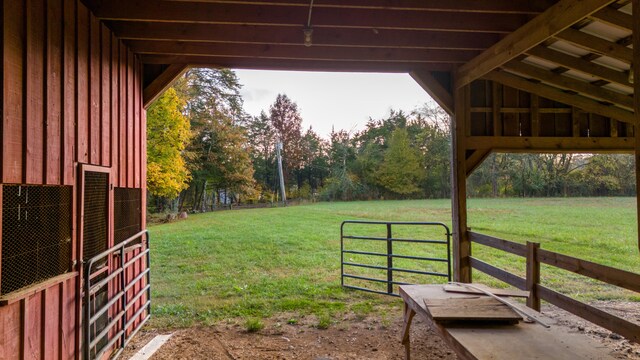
[496,99]
[636,98]
[461,244]
[535,115]
[533,276]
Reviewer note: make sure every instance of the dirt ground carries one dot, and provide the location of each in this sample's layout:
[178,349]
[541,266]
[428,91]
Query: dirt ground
[351,338]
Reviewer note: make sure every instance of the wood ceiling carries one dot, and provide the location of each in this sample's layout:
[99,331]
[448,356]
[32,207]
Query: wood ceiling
[575,52]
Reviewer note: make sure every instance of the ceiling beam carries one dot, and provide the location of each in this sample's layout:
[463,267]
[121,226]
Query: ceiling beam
[286,35]
[557,18]
[581,65]
[556,94]
[433,87]
[568,83]
[161,83]
[251,14]
[475,6]
[552,144]
[596,45]
[294,65]
[615,18]
[299,52]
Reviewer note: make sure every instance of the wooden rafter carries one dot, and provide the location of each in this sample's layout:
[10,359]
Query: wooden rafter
[162,83]
[557,18]
[552,93]
[596,44]
[188,48]
[614,18]
[552,144]
[433,87]
[579,64]
[287,35]
[568,83]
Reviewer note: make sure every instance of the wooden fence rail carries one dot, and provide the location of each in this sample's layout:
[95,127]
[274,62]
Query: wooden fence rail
[535,256]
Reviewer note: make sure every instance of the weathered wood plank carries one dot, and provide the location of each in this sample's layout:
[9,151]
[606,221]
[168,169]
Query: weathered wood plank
[123,116]
[130,119]
[82,85]
[69,92]
[105,96]
[13,91]
[499,274]
[500,244]
[35,93]
[552,144]
[461,244]
[94,91]
[596,44]
[54,95]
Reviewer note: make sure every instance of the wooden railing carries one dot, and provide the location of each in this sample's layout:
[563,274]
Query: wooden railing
[536,256]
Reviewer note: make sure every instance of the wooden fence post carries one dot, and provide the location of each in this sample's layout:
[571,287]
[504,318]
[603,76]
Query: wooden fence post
[533,275]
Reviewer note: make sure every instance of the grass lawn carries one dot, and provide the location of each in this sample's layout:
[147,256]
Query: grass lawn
[250,264]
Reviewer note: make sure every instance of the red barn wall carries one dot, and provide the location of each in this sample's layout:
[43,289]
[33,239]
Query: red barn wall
[71,95]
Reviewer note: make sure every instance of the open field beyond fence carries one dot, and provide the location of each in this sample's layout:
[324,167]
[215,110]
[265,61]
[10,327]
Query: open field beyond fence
[259,262]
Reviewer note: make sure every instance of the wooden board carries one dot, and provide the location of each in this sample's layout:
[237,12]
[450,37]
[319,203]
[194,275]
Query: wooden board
[476,309]
[499,292]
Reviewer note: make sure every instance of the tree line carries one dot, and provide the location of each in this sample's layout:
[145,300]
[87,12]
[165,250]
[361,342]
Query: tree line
[205,152]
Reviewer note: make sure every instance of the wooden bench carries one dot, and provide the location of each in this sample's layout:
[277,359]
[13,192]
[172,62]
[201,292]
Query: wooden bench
[482,341]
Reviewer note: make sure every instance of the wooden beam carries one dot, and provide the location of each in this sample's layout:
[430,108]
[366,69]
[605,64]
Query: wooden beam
[298,51]
[473,6]
[568,83]
[557,18]
[162,83]
[581,65]
[636,89]
[262,14]
[433,87]
[615,18]
[552,93]
[461,244]
[291,64]
[287,35]
[552,144]
[475,159]
[597,45]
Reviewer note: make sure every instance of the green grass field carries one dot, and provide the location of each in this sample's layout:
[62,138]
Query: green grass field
[251,264]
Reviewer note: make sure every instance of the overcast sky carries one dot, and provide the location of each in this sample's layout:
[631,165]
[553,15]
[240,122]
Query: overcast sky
[343,100]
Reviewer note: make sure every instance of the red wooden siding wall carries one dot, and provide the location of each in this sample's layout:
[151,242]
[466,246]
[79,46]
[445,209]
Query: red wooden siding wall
[71,94]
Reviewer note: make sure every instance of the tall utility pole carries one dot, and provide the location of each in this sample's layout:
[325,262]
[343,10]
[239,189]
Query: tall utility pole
[279,153]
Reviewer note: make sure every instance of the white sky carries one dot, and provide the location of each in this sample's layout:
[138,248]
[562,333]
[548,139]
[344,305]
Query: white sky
[343,100]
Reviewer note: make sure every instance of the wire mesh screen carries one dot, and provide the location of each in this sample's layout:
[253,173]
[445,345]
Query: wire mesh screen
[36,234]
[94,232]
[127,212]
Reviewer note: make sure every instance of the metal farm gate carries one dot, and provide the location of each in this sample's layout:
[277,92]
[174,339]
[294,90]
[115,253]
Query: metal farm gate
[375,260]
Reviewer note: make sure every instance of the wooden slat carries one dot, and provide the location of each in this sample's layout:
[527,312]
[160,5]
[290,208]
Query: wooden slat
[560,96]
[500,244]
[50,323]
[54,95]
[94,90]
[13,89]
[32,324]
[580,64]
[34,93]
[620,326]
[533,275]
[122,127]
[555,19]
[10,331]
[130,119]
[433,87]
[163,82]
[625,279]
[115,109]
[552,144]
[82,86]
[596,44]
[69,92]
[499,274]
[615,18]
[568,83]
[484,309]
[105,96]
[137,153]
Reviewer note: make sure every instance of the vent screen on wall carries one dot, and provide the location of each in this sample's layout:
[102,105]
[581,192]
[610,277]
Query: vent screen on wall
[36,234]
[127,222]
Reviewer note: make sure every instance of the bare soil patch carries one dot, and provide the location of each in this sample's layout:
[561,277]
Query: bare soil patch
[352,338]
